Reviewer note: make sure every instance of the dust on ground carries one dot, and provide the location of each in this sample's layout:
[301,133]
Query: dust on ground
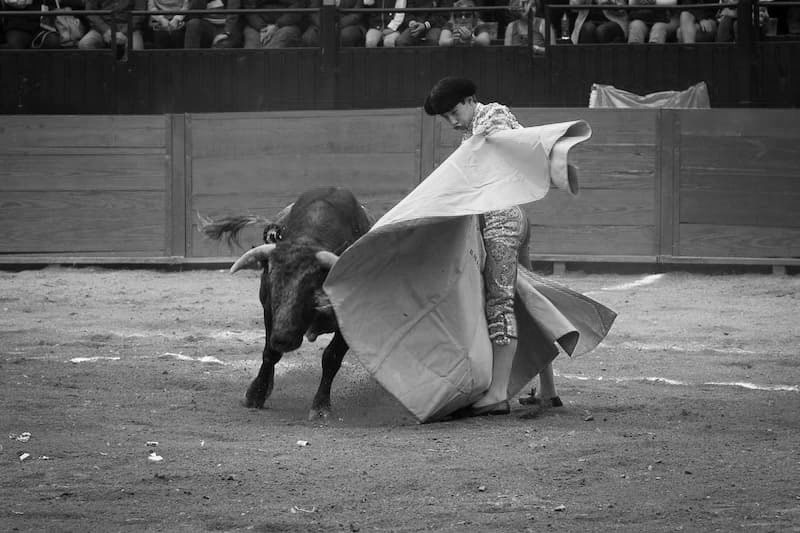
[685,418]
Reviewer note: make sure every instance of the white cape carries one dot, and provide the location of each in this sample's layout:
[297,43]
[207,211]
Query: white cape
[408,295]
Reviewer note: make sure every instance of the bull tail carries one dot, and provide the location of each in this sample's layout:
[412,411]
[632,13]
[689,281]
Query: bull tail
[228,227]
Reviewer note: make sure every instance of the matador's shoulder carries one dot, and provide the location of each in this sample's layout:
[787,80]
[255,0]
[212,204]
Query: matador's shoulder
[494,117]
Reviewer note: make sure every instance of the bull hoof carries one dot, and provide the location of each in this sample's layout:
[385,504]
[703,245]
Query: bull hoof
[257,393]
[253,404]
[319,412]
[255,398]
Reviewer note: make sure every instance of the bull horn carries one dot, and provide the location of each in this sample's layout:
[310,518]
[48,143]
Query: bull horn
[259,253]
[326,258]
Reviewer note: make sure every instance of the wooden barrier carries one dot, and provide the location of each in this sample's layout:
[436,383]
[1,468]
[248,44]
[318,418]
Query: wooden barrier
[87,185]
[238,80]
[657,186]
[259,163]
[738,185]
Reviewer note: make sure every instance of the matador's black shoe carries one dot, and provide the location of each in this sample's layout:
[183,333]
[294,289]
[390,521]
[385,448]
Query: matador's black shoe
[499,408]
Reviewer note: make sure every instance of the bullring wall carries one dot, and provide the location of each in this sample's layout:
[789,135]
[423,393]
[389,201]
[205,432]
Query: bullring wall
[657,186]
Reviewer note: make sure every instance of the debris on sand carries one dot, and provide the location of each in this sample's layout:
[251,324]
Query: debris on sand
[22,437]
[295,509]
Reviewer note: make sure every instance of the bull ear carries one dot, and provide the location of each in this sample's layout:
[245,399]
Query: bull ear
[326,258]
[259,253]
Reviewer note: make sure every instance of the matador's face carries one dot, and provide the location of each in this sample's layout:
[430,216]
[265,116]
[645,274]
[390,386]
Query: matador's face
[460,117]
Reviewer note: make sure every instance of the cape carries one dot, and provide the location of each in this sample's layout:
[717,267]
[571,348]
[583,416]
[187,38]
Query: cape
[409,297]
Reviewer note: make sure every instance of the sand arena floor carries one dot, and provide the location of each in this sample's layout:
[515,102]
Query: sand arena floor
[685,419]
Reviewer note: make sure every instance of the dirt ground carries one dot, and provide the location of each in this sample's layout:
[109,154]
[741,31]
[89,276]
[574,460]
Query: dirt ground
[657,432]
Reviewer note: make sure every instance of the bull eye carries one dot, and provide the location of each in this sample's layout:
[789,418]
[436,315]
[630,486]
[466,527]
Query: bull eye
[321,298]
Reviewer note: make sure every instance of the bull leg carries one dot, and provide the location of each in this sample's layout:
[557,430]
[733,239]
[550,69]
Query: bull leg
[331,362]
[261,387]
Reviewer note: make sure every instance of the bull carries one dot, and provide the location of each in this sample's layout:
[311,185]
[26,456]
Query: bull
[300,248]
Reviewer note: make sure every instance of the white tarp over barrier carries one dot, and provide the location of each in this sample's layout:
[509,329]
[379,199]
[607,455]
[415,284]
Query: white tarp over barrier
[409,294]
[695,97]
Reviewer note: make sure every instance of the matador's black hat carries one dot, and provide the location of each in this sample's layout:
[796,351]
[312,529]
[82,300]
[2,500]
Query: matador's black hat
[447,93]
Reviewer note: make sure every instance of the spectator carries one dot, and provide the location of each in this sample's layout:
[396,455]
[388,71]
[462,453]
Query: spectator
[26,32]
[726,24]
[68,29]
[423,28]
[497,19]
[169,31]
[384,28]
[351,25]
[793,20]
[516,33]
[697,25]
[786,19]
[100,26]
[273,30]
[465,27]
[605,26]
[213,30]
[652,25]
[559,32]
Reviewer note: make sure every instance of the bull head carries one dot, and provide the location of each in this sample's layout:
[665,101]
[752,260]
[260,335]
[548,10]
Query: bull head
[294,284]
[261,253]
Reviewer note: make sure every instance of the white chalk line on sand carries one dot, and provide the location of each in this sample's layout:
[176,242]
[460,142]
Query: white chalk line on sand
[92,359]
[687,347]
[178,356]
[287,365]
[247,336]
[641,282]
[667,381]
[201,359]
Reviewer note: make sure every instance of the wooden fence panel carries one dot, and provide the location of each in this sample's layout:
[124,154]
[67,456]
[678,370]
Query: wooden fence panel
[57,81]
[739,184]
[216,81]
[259,163]
[402,77]
[88,185]
[672,186]
[207,81]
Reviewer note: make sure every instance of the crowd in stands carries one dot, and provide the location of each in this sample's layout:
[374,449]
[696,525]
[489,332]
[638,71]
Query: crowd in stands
[508,24]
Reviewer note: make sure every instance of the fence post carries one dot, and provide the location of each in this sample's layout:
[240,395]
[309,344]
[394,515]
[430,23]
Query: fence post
[329,51]
[177,190]
[667,183]
[747,16]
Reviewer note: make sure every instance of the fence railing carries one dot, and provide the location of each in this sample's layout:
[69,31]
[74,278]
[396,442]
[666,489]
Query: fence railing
[747,10]
[755,70]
